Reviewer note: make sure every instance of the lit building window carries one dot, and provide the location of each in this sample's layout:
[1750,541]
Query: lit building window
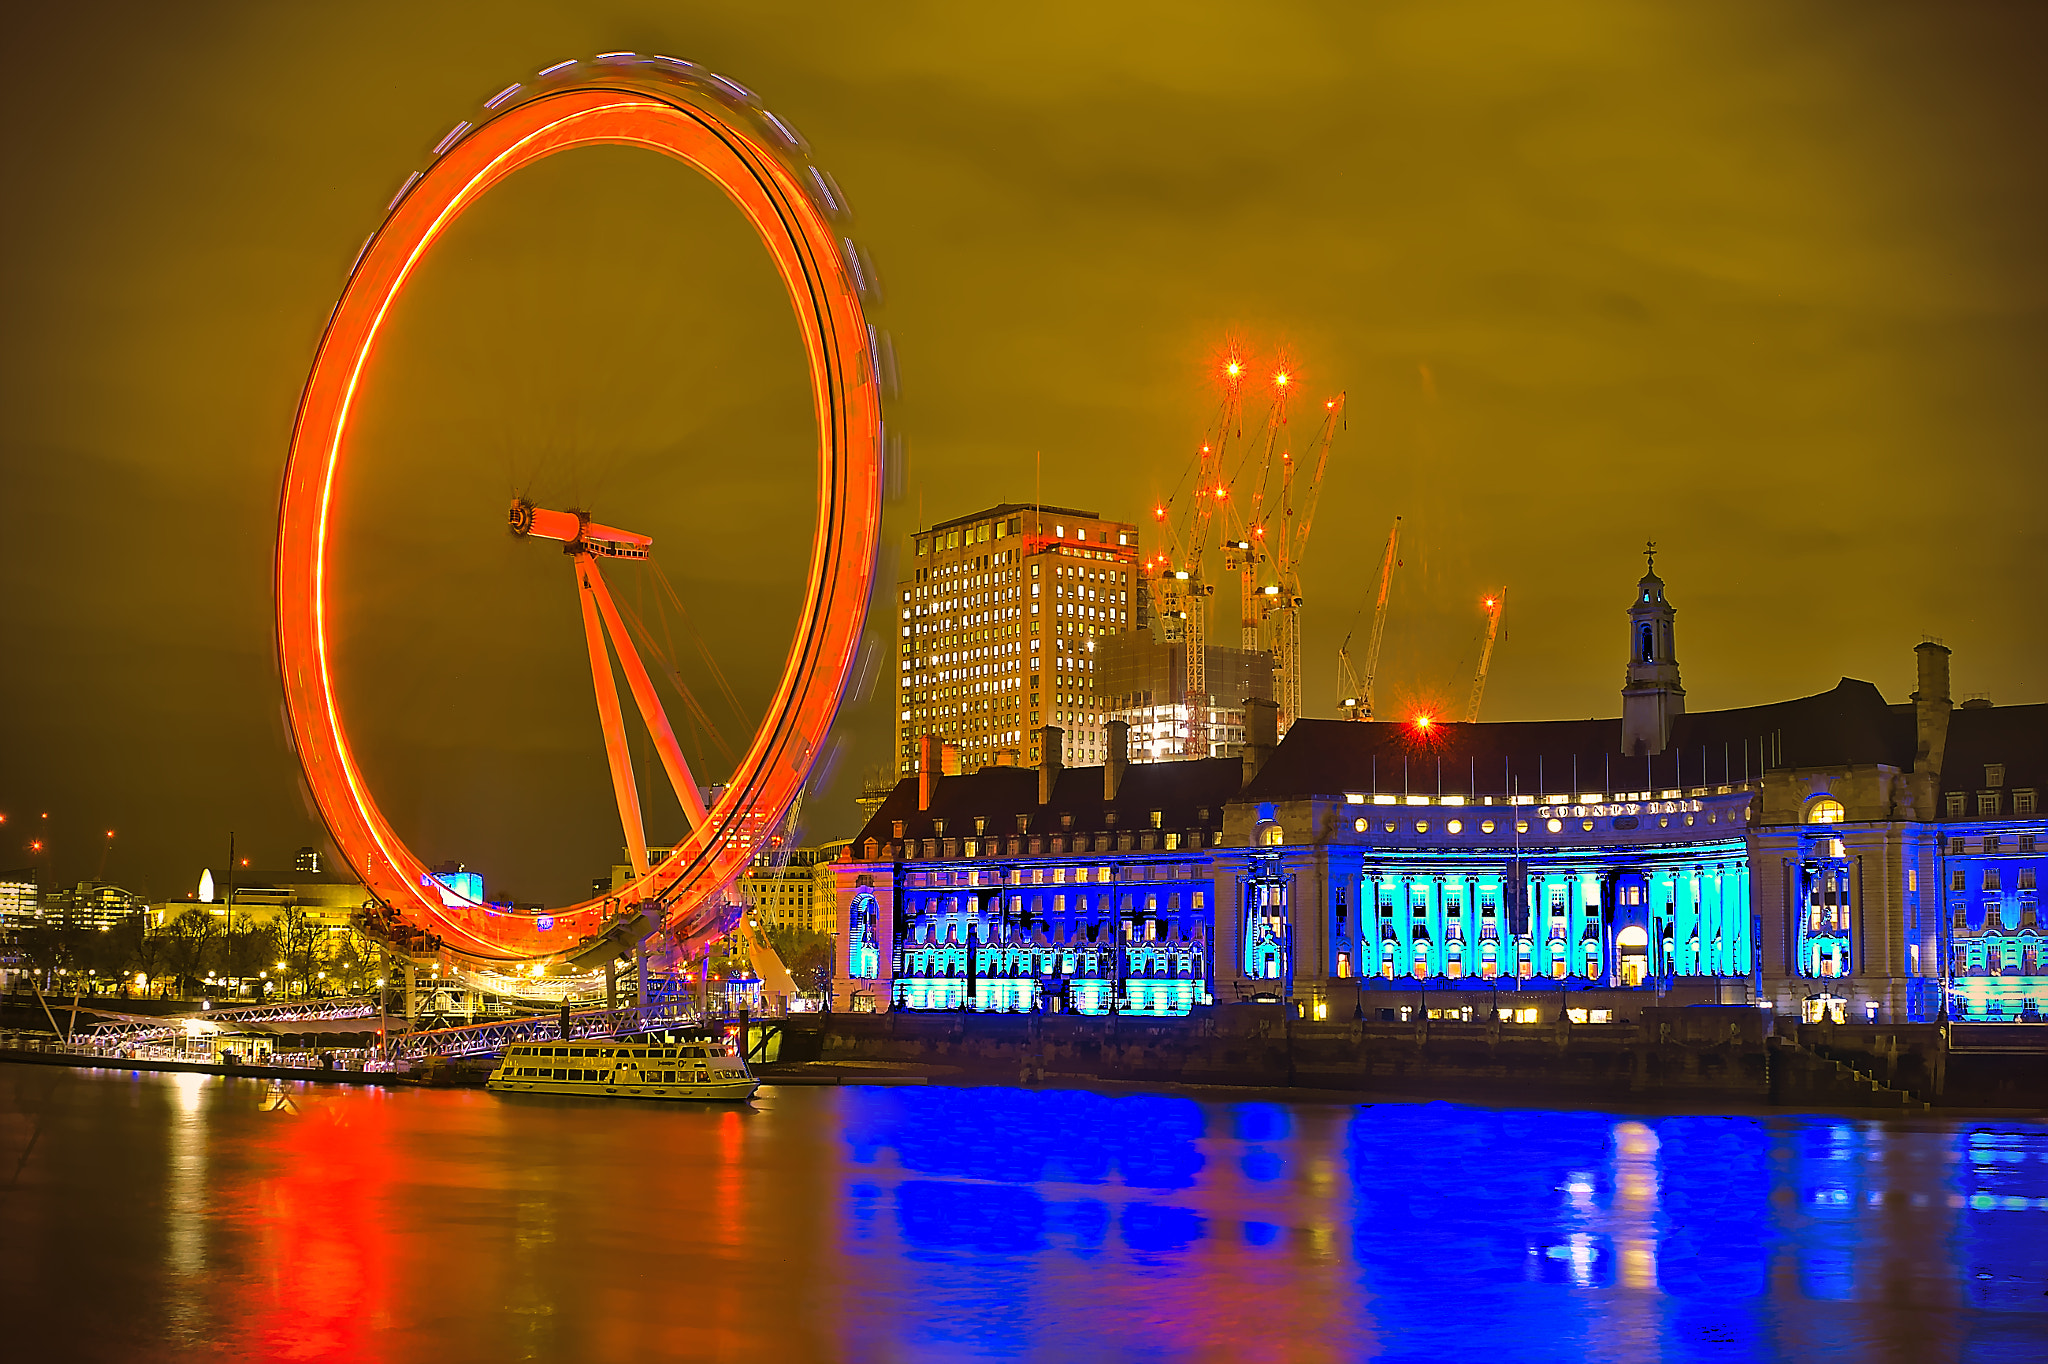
[1826,810]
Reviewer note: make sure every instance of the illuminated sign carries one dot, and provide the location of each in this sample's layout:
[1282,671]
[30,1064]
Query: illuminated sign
[458,889]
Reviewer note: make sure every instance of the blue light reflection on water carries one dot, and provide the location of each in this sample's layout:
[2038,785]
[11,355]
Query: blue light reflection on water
[1430,1231]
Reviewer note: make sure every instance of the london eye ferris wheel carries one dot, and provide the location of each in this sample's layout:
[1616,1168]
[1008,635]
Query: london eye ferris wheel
[718,129]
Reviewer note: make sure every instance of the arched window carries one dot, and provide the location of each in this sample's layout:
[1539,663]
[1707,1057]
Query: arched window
[1825,810]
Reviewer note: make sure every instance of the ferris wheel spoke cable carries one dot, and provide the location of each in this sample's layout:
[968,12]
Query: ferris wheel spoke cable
[700,719]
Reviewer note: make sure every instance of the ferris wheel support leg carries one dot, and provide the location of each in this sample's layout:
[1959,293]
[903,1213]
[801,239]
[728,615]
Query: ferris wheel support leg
[658,727]
[614,724]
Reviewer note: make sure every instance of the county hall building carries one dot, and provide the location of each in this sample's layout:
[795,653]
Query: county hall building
[1838,855]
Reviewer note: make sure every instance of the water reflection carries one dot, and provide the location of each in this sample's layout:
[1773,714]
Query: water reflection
[938,1223]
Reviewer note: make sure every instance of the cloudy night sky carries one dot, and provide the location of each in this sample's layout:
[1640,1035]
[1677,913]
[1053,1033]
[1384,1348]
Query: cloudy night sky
[1761,281]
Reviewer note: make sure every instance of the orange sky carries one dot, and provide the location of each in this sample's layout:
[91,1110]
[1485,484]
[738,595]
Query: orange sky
[1761,282]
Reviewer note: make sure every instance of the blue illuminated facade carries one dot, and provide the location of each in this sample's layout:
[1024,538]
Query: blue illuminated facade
[1014,890]
[1835,856]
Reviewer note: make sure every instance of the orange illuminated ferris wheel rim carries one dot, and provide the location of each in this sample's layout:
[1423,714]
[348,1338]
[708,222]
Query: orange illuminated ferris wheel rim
[717,128]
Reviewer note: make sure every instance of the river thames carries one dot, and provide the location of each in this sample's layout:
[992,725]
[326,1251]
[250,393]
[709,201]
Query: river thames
[156,1216]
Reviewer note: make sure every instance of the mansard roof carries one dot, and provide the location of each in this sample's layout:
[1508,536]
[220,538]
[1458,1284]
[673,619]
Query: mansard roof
[1850,724]
[1188,795]
[2014,737]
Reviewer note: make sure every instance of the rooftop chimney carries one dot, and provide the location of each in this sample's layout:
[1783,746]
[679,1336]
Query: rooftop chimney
[1930,725]
[1261,734]
[927,769]
[1119,757]
[1049,765]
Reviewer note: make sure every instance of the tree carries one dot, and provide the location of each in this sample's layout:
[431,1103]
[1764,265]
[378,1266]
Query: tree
[125,948]
[188,941]
[299,939]
[249,950]
[352,961]
[808,955]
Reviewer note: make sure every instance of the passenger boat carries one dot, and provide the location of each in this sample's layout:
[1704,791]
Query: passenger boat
[626,1069]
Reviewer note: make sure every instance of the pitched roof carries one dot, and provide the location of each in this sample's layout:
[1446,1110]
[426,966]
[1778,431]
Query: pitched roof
[2015,737]
[1180,791]
[1849,724]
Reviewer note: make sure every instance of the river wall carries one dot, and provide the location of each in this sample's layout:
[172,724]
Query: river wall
[1728,1055]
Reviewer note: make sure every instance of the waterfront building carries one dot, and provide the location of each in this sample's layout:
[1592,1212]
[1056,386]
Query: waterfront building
[89,905]
[328,898]
[824,886]
[778,891]
[1834,856]
[1000,619]
[1013,889]
[21,899]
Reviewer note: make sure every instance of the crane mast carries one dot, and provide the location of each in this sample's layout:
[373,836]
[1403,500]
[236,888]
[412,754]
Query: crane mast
[1183,583]
[1348,685]
[1493,604]
[1388,562]
[1247,554]
[1289,547]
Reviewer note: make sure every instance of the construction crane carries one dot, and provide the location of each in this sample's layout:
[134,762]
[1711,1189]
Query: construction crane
[1245,554]
[1183,594]
[1493,604]
[1357,690]
[1288,547]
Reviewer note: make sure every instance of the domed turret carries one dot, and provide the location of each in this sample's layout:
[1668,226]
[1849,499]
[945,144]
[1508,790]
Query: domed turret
[1651,698]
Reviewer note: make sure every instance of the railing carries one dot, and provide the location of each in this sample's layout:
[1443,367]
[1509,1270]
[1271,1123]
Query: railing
[491,1039]
[131,1030]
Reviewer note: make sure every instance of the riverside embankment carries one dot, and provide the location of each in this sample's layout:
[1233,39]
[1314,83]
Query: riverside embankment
[1705,1056]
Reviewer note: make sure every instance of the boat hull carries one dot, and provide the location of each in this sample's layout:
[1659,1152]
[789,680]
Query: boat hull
[733,1091]
[700,1071]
